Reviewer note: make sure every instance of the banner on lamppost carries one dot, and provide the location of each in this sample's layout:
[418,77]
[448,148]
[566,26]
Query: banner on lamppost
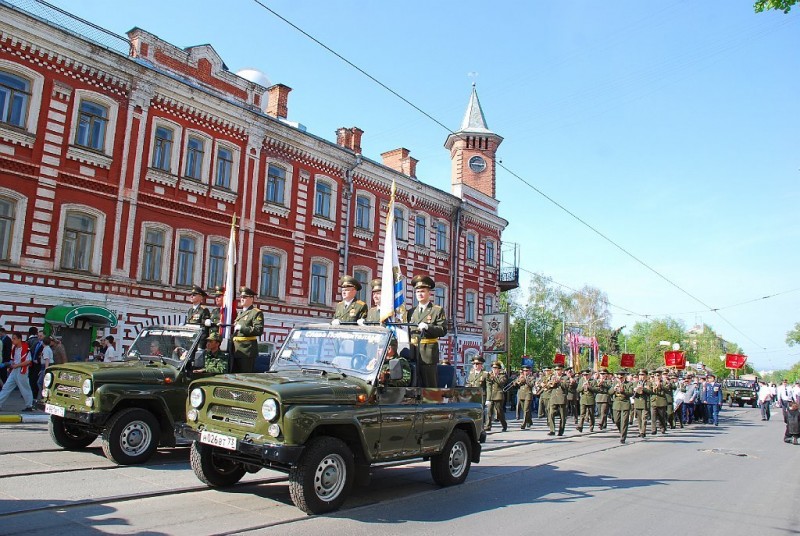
[675,358]
[735,361]
[627,361]
[495,333]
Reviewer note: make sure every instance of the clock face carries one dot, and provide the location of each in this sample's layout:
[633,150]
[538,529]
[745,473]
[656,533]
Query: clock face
[477,164]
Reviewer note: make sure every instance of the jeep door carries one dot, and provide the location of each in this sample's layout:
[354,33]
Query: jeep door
[400,422]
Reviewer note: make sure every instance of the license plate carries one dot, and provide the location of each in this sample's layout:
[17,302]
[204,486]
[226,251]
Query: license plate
[745,398]
[218,440]
[54,410]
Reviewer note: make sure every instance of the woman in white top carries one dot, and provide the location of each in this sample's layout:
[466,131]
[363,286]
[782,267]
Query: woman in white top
[111,353]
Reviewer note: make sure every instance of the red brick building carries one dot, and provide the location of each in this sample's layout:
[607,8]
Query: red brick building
[120,174]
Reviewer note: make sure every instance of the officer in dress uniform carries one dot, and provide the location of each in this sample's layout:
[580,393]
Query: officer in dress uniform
[602,398]
[495,382]
[428,323]
[658,403]
[248,326]
[349,309]
[216,313]
[641,393]
[525,382]
[198,313]
[621,392]
[214,360]
[374,313]
[477,378]
[587,388]
[557,387]
[573,399]
[544,392]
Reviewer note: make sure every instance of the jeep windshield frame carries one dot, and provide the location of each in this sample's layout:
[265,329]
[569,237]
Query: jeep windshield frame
[348,350]
[171,345]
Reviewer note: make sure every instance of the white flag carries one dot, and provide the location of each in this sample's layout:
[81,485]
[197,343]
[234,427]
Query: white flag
[393,292]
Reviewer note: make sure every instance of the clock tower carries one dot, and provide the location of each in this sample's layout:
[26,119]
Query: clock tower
[472,152]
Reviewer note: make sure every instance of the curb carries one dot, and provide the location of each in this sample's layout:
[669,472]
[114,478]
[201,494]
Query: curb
[25,419]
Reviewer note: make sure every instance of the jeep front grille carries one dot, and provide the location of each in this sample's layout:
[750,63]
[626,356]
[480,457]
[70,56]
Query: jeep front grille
[237,395]
[69,389]
[69,376]
[240,416]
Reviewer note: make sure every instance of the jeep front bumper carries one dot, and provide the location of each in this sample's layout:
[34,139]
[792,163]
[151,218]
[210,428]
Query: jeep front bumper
[249,452]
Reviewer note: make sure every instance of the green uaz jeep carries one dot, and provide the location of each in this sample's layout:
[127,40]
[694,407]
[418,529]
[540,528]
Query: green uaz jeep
[329,408]
[133,404]
[740,392]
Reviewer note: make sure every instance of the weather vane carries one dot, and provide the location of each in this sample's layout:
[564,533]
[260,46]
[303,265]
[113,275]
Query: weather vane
[472,75]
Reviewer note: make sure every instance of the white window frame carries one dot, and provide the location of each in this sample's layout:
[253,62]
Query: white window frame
[475,248]
[446,246]
[326,222]
[329,273]
[89,156]
[282,255]
[177,143]
[444,295]
[269,206]
[165,260]
[489,299]
[366,289]
[372,211]
[427,240]
[473,311]
[199,265]
[405,212]
[34,104]
[97,247]
[493,265]
[20,212]
[220,240]
[205,168]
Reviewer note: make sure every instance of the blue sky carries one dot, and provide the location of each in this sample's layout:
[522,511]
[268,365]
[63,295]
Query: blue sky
[671,127]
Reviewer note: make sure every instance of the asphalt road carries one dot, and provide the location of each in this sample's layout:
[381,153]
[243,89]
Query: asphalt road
[738,478]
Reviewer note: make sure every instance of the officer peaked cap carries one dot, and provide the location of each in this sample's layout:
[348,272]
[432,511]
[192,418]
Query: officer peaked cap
[422,281]
[349,280]
[198,290]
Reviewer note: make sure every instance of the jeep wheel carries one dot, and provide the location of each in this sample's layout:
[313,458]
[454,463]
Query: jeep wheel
[451,467]
[131,436]
[213,470]
[322,478]
[741,403]
[68,436]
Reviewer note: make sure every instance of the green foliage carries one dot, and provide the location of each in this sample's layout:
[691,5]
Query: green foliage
[793,336]
[778,5]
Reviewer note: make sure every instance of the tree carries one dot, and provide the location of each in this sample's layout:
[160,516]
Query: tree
[793,336]
[646,337]
[778,5]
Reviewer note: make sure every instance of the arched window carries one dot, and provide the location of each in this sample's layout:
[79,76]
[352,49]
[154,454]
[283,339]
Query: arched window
[92,125]
[15,98]
[273,269]
[7,217]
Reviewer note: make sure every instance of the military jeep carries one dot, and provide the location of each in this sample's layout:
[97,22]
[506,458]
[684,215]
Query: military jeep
[740,392]
[133,405]
[323,415]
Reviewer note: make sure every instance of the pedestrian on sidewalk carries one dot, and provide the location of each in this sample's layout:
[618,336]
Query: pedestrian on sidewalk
[764,400]
[18,376]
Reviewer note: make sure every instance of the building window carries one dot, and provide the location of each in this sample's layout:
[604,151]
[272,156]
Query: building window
[362,276]
[276,183]
[322,200]
[469,309]
[224,167]
[441,237]
[399,224]
[7,209]
[15,97]
[490,253]
[92,124]
[270,275]
[470,247]
[187,251]
[79,234]
[162,149]
[319,283]
[420,229]
[363,212]
[438,296]
[153,255]
[216,264]
[194,158]
[489,305]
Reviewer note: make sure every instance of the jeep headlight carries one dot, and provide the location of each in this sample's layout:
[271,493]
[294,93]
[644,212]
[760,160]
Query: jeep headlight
[196,397]
[87,386]
[269,409]
[48,379]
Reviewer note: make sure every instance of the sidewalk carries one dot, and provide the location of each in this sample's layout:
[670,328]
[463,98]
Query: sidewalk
[12,412]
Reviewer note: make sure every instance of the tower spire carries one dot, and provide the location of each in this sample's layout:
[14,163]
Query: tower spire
[474,120]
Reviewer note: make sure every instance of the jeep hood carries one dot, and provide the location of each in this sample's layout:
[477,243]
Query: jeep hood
[298,388]
[122,372]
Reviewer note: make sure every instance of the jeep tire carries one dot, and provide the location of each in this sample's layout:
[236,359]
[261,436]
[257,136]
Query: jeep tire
[131,436]
[322,478]
[451,466]
[212,470]
[67,436]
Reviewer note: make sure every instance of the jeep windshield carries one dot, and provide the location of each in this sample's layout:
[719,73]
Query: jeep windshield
[740,384]
[349,351]
[168,345]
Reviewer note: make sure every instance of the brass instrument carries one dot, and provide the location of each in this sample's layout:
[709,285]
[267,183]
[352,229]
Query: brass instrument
[640,387]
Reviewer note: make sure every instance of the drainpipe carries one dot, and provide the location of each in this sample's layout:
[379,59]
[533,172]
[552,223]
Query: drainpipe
[456,226]
[348,195]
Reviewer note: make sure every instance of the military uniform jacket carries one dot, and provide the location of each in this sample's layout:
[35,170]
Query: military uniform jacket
[216,362]
[477,379]
[557,388]
[587,390]
[427,348]
[494,386]
[669,390]
[374,314]
[572,388]
[640,399]
[658,395]
[602,396]
[216,316]
[350,313]
[525,391]
[197,315]
[620,393]
[251,323]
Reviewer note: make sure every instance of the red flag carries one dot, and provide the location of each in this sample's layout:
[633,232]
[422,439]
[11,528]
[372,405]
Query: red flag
[560,359]
[735,361]
[628,360]
[604,361]
[675,359]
